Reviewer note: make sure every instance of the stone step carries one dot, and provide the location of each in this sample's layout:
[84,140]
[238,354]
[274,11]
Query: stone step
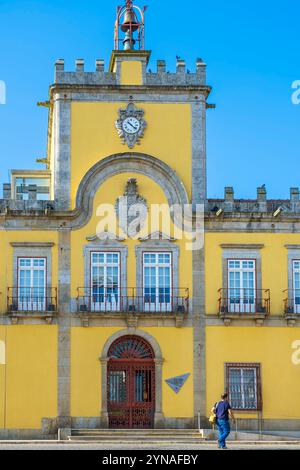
[141,437]
[136,431]
[129,440]
[137,435]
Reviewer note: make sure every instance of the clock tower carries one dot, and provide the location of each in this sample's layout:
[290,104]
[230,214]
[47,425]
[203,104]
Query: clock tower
[128,108]
[119,131]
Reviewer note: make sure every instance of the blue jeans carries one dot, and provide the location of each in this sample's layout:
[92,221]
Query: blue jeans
[224,431]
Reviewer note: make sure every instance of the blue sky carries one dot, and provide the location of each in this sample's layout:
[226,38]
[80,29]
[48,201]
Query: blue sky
[251,50]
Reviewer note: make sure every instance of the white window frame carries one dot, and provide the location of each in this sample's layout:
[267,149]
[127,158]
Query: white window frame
[296,285]
[111,301]
[33,301]
[157,305]
[244,302]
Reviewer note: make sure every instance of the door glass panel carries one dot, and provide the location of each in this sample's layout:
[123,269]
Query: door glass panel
[117,386]
[143,386]
[32,284]
[296,276]
[157,274]
[241,286]
[105,274]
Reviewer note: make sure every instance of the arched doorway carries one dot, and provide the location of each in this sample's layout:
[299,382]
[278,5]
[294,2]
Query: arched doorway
[131,383]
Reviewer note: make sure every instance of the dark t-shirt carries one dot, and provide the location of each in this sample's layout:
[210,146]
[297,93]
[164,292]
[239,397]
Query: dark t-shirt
[222,409]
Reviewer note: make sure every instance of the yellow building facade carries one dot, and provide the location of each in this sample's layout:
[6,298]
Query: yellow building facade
[111,315]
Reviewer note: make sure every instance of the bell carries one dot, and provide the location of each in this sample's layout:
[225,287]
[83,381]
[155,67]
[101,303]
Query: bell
[130,22]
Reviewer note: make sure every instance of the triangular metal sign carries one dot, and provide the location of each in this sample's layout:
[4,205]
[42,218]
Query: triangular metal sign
[176,383]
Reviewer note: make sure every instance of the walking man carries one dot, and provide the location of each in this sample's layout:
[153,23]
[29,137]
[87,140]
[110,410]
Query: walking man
[223,412]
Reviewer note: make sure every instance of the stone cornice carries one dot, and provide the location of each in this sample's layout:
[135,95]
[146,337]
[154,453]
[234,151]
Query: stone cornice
[32,244]
[157,236]
[104,236]
[139,90]
[242,246]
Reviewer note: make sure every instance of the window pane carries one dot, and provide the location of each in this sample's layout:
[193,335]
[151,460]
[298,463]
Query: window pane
[297,265]
[243,388]
[249,388]
[235,388]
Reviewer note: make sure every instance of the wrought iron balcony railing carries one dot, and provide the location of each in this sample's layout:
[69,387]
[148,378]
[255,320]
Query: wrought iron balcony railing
[32,300]
[255,302]
[292,302]
[132,300]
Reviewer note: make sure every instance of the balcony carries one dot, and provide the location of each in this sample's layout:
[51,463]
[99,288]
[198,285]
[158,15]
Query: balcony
[32,302]
[292,305]
[244,303]
[132,302]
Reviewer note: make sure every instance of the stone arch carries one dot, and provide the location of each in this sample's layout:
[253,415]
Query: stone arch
[158,418]
[147,165]
[129,331]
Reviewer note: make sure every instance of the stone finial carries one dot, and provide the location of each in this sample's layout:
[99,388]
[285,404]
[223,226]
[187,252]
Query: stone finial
[201,70]
[32,192]
[161,66]
[200,64]
[60,65]
[79,65]
[180,66]
[99,65]
[294,194]
[6,191]
[262,194]
[229,194]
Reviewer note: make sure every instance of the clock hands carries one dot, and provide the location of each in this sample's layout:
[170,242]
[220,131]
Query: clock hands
[131,125]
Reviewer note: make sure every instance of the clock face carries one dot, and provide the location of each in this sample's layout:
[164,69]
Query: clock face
[131,125]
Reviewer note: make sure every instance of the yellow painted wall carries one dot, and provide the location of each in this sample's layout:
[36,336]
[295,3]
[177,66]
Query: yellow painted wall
[108,194]
[269,346]
[274,257]
[87,346]
[86,349]
[177,350]
[131,72]
[28,390]
[7,253]
[94,137]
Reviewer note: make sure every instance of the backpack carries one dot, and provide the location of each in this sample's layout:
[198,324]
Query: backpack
[213,416]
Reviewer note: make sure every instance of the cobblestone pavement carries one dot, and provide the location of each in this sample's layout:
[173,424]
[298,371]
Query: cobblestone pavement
[103,447]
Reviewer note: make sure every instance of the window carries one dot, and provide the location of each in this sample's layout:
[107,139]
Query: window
[241,286]
[243,385]
[157,281]
[22,188]
[32,284]
[105,281]
[296,285]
